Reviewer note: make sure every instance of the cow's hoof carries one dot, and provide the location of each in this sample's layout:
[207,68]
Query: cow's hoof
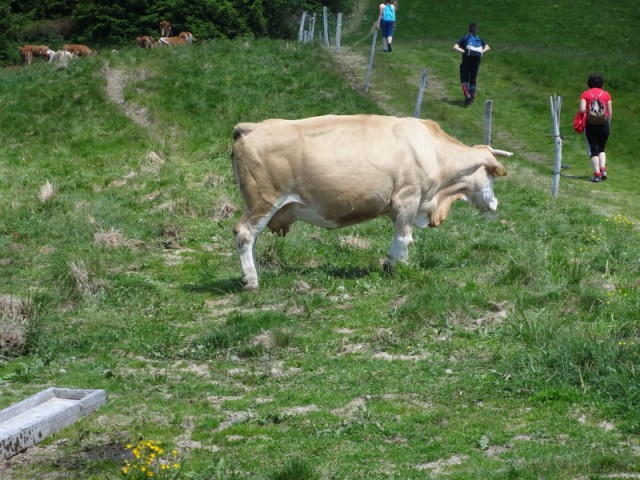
[251,285]
[388,267]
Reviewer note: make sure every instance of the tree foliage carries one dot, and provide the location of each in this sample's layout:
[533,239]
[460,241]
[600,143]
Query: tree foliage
[101,24]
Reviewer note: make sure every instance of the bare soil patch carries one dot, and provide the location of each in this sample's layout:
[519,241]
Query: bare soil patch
[116,80]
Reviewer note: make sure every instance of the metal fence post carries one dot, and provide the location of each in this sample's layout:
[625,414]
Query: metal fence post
[338,32]
[370,66]
[488,115]
[556,105]
[423,85]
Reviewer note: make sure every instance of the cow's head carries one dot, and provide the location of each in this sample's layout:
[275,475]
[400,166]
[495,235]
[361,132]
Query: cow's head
[480,183]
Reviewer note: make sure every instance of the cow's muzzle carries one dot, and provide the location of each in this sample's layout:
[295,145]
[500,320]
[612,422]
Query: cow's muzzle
[484,198]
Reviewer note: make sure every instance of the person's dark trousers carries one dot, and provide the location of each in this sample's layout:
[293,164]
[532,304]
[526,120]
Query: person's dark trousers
[597,136]
[468,75]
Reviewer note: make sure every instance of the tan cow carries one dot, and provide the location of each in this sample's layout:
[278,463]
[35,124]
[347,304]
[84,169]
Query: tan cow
[165,28]
[333,171]
[146,41]
[79,50]
[27,52]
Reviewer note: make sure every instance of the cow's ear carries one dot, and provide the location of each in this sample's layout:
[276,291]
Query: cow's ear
[497,169]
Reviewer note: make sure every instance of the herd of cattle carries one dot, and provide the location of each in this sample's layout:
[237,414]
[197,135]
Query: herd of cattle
[69,51]
[183,38]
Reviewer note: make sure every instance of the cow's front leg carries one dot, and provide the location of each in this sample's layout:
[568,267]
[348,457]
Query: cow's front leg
[402,238]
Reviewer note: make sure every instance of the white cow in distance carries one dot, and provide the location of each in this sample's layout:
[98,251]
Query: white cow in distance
[333,171]
[61,57]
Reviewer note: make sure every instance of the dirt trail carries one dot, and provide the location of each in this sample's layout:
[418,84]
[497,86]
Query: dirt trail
[116,80]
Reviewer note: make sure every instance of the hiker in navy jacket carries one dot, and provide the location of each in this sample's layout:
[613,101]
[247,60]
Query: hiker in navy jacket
[472,47]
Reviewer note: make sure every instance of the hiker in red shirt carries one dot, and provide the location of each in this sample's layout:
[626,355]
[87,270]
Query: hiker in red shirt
[597,103]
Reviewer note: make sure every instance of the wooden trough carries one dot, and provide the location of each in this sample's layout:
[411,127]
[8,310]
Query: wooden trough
[30,421]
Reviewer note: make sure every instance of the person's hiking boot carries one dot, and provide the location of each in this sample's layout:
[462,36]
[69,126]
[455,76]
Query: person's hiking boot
[389,48]
[596,178]
[468,100]
[603,174]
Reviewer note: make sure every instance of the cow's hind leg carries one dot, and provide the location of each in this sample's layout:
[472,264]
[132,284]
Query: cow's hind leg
[248,229]
[246,233]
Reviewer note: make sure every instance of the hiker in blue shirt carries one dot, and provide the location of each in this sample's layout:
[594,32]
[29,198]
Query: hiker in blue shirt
[387,23]
[472,47]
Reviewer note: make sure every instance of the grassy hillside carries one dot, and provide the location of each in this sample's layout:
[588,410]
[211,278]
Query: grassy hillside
[535,53]
[508,348]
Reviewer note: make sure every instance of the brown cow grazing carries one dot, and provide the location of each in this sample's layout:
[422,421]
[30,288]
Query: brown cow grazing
[79,50]
[27,52]
[146,41]
[165,28]
[333,171]
[26,56]
[172,41]
[188,36]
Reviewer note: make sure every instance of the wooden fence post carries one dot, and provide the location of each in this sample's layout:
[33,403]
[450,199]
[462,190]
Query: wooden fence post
[556,105]
[312,27]
[301,31]
[325,14]
[338,32]
[370,66]
[488,115]
[423,85]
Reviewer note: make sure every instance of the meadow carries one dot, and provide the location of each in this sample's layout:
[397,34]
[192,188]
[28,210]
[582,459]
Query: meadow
[508,348]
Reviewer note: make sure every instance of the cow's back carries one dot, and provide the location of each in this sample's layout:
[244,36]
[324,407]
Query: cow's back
[79,50]
[344,145]
[346,168]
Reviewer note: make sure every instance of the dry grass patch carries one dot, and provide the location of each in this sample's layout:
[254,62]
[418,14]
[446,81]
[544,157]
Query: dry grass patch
[83,282]
[114,239]
[15,321]
[224,210]
[47,192]
[355,242]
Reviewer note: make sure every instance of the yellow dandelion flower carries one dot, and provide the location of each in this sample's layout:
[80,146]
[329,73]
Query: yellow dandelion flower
[143,468]
[149,473]
[125,470]
[176,465]
[175,453]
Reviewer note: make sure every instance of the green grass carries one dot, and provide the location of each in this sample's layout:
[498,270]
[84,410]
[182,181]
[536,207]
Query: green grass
[508,347]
